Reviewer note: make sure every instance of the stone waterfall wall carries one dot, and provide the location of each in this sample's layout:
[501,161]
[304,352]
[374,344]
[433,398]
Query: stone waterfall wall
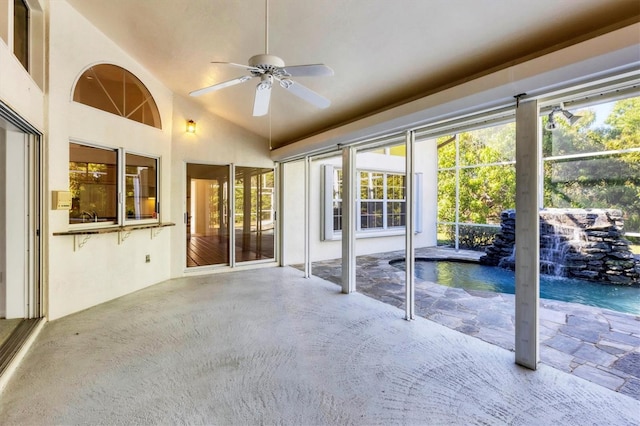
[577,243]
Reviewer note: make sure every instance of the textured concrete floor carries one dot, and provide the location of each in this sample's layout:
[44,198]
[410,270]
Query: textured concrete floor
[596,344]
[269,347]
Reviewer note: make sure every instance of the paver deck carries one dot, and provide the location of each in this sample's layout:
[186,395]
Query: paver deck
[599,345]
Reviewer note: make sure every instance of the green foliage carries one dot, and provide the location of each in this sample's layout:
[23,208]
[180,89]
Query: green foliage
[487,179]
[610,181]
[476,237]
[486,190]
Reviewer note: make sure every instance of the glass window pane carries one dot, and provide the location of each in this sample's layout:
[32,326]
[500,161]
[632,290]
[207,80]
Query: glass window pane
[446,152]
[603,127]
[446,196]
[485,192]
[114,89]
[371,215]
[364,185]
[90,91]
[141,187]
[21,32]
[207,215]
[93,184]
[398,150]
[604,168]
[254,215]
[337,216]
[488,145]
[396,214]
[377,186]
[337,184]
[611,182]
[395,187]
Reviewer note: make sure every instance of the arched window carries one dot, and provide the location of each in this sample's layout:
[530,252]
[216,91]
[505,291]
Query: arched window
[115,90]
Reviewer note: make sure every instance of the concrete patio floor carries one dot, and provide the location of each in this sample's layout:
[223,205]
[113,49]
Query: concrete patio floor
[267,346]
[599,345]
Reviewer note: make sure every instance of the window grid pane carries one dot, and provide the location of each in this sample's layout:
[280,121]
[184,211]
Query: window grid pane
[396,214]
[93,184]
[141,187]
[114,89]
[337,199]
[371,215]
[381,200]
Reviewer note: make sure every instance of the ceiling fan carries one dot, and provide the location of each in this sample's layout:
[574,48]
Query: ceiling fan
[270,68]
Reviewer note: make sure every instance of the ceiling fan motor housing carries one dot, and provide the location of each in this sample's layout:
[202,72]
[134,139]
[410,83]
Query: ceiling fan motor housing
[269,63]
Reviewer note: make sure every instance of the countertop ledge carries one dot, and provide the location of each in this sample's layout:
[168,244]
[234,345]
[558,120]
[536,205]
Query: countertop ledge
[110,229]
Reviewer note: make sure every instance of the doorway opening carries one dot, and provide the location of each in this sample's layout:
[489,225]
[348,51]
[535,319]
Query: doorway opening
[21,294]
[230,215]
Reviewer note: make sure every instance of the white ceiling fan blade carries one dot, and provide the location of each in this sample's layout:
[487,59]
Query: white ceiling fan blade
[312,70]
[305,93]
[246,67]
[263,95]
[220,85]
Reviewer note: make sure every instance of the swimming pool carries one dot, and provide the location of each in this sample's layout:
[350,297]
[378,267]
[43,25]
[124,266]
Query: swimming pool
[472,276]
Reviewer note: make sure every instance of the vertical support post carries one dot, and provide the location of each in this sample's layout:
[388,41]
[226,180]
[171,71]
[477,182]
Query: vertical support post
[348,220]
[280,234]
[307,216]
[409,227]
[527,235]
[457,213]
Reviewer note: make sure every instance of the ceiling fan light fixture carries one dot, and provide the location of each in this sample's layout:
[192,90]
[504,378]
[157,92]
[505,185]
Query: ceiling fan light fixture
[266,81]
[269,67]
[265,61]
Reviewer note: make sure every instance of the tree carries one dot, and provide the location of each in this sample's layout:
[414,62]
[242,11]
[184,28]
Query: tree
[604,181]
[595,177]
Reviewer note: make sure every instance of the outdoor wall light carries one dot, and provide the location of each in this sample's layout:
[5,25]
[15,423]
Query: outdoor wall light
[191,126]
[571,118]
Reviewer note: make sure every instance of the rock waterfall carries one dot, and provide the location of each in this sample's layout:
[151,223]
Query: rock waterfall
[588,244]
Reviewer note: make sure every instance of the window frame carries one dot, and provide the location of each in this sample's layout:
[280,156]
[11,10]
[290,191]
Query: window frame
[123,205]
[120,195]
[116,100]
[330,197]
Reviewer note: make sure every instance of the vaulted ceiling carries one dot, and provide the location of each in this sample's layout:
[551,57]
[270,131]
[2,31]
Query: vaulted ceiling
[383,52]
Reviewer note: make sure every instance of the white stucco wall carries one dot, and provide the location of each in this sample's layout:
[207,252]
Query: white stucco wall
[292,217]
[102,269]
[216,141]
[426,163]
[18,90]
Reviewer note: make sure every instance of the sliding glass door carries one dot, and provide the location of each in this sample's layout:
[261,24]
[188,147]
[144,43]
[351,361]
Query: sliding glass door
[207,215]
[254,214]
[219,219]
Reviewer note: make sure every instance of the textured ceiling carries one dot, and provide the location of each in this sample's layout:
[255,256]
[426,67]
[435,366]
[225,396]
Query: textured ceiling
[383,52]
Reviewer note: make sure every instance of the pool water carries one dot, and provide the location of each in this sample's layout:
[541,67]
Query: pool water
[472,276]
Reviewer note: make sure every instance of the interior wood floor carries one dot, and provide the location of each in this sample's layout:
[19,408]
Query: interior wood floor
[214,250]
